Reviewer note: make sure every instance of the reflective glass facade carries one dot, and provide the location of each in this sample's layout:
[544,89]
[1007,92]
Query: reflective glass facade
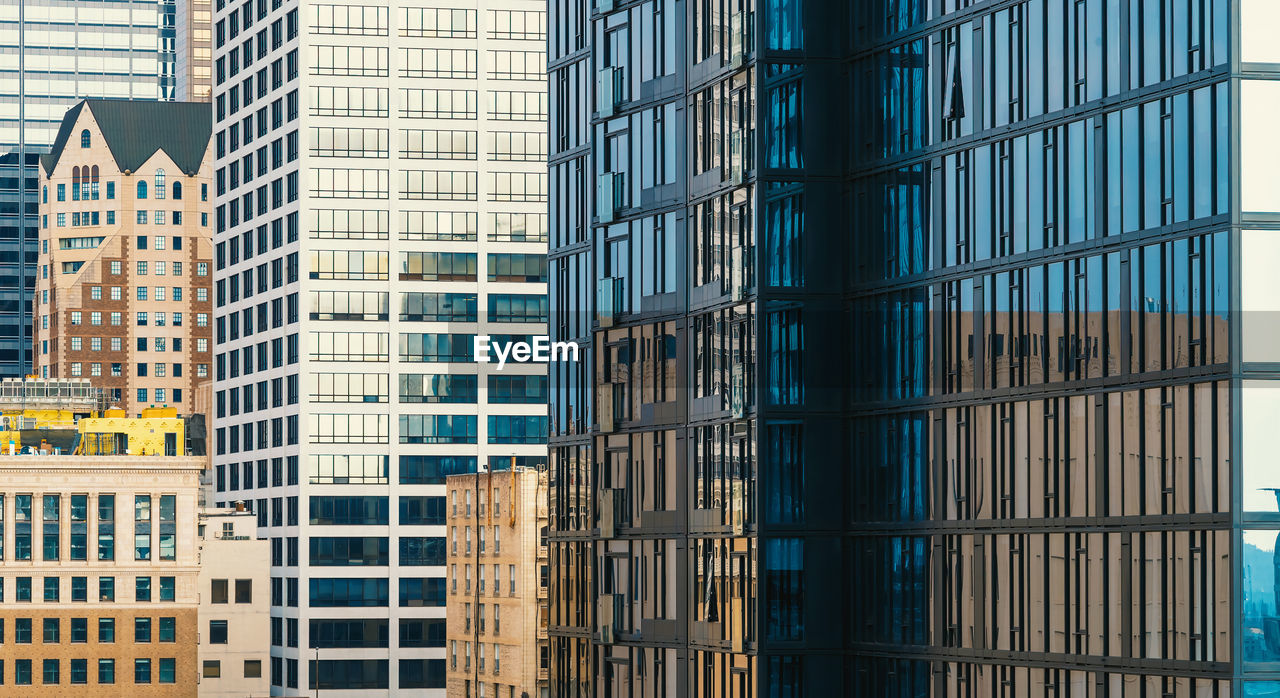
[922,373]
[656,556]
[1040,496]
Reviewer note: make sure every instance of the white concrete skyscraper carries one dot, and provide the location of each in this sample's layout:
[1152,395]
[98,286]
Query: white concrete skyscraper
[380,200]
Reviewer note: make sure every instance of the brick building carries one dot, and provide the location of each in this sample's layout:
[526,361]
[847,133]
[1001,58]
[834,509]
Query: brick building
[497,602]
[100,575]
[122,289]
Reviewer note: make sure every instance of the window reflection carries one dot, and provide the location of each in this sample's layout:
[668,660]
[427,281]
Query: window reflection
[1260,596]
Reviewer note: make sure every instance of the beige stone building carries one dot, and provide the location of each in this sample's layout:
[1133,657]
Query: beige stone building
[99,575]
[497,601]
[124,277]
[235,610]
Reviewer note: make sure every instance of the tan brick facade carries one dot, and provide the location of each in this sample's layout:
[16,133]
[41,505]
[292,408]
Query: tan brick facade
[96,285]
[486,609]
[125,498]
[123,651]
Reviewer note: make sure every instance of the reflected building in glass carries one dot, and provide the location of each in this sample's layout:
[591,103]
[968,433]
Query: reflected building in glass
[931,348]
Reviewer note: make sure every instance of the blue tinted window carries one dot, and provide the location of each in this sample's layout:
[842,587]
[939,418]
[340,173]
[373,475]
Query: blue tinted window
[422,632]
[784,235]
[504,429]
[438,307]
[347,592]
[784,25]
[349,674]
[437,429]
[785,495]
[422,673]
[512,389]
[784,589]
[437,347]
[419,591]
[349,633]
[421,551]
[517,307]
[326,510]
[431,470]
[348,551]
[438,388]
[786,357]
[422,511]
[783,148]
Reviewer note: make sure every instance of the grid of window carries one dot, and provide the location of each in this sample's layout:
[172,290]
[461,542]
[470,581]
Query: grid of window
[348,305]
[351,20]
[505,429]
[344,469]
[349,224]
[347,592]
[348,428]
[437,388]
[517,307]
[509,105]
[517,146]
[331,141]
[518,186]
[437,429]
[349,265]
[348,346]
[428,347]
[420,103]
[437,266]
[437,307]
[344,183]
[457,63]
[350,101]
[530,25]
[517,65]
[457,226]
[439,185]
[517,227]
[438,145]
[349,387]
[521,268]
[341,198]
[516,389]
[360,61]
[439,23]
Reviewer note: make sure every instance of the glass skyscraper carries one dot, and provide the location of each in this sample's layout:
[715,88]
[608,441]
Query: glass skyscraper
[52,55]
[931,348]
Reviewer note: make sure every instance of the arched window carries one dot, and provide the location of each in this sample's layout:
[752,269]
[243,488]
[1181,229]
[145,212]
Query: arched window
[93,183]
[75,183]
[160,184]
[44,194]
[177,190]
[142,189]
[84,138]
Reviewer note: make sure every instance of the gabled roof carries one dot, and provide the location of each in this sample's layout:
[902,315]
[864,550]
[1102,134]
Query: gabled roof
[135,129]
